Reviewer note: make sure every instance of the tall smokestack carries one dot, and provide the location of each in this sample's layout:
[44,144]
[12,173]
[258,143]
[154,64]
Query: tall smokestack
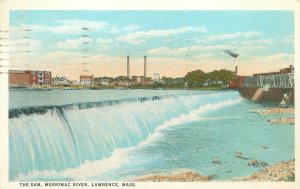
[128,67]
[145,67]
[236,70]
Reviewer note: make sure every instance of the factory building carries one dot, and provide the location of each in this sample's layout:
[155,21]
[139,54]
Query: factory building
[86,79]
[238,82]
[156,77]
[290,69]
[29,77]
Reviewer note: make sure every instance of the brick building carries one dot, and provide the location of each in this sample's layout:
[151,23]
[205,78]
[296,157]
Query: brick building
[290,69]
[29,77]
[238,82]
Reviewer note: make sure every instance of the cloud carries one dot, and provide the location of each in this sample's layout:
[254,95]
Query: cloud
[66,62]
[238,35]
[114,29]
[26,47]
[24,42]
[141,36]
[131,27]
[59,56]
[72,43]
[207,51]
[258,42]
[251,48]
[280,56]
[30,27]
[200,56]
[75,26]
[104,41]
[175,51]
[288,39]
[68,26]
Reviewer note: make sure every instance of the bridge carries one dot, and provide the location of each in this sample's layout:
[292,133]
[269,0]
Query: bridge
[285,80]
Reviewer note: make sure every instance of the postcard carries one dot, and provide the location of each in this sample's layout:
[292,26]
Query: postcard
[149,95]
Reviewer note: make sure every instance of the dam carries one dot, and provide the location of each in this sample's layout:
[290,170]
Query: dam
[272,87]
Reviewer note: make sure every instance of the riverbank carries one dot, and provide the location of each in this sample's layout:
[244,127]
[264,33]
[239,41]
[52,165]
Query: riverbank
[105,87]
[189,176]
[282,171]
[288,113]
[275,110]
[282,121]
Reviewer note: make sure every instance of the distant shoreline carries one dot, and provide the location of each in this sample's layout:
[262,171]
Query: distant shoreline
[101,87]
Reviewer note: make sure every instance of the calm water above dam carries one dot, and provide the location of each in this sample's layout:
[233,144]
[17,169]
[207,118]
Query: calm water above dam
[180,130]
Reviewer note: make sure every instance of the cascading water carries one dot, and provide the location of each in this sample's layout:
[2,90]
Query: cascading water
[67,137]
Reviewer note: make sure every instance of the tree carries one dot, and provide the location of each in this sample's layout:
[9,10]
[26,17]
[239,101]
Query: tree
[134,78]
[121,78]
[195,78]
[220,77]
[168,80]
[226,76]
[212,77]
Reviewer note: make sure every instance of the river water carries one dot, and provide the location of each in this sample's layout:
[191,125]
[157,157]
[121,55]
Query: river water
[124,134]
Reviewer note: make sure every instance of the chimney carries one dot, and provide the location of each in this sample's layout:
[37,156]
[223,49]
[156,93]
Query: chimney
[145,67]
[128,67]
[291,69]
[236,70]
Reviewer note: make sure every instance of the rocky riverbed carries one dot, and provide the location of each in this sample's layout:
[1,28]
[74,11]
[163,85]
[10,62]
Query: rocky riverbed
[283,171]
[189,176]
[274,111]
[282,121]
[288,112]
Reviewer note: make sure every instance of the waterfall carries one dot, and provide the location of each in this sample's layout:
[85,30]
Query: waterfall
[66,137]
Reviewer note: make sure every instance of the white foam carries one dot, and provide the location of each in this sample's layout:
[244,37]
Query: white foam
[193,116]
[86,171]
[89,170]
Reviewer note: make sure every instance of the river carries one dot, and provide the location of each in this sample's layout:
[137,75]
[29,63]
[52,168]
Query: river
[90,135]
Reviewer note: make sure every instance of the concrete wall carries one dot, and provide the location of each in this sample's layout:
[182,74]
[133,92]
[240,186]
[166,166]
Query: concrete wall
[273,95]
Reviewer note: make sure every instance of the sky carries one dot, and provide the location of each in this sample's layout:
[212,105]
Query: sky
[74,43]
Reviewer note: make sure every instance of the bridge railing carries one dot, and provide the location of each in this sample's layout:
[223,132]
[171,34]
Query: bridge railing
[271,81]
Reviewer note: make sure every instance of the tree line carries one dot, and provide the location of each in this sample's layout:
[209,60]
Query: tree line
[196,78]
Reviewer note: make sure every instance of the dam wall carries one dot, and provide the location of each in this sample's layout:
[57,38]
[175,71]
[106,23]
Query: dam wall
[272,87]
[271,95]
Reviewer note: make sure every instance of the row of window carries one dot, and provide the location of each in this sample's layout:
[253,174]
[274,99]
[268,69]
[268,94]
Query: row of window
[41,73]
[81,78]
[85,80]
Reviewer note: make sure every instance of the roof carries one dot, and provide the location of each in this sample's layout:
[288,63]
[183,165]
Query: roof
[86,76]
[23,70]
